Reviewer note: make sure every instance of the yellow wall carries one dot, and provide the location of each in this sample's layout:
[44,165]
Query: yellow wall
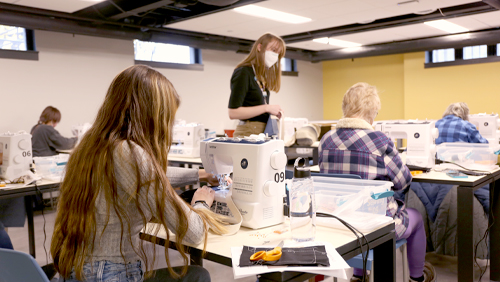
[429,91]
[407,90]
[385,72]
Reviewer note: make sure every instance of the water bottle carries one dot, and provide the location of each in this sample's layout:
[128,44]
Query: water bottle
[302,204]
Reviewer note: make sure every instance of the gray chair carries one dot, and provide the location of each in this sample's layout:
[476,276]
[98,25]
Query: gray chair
[17,266]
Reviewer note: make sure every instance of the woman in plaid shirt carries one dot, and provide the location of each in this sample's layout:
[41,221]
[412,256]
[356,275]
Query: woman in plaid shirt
[455,126]
[354,147]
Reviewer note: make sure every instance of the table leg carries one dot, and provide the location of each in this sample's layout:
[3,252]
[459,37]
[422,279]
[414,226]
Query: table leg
[315,156]
[196,257]
[384,260]
[465,222]
[31,227]
[494,231]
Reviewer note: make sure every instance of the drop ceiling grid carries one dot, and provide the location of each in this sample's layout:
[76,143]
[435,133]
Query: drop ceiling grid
[68,6]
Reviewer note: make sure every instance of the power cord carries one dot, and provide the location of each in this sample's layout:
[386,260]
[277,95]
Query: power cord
[487,232]
[39,193]
[364,254]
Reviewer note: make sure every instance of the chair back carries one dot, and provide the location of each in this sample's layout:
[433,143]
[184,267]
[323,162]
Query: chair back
[18,266]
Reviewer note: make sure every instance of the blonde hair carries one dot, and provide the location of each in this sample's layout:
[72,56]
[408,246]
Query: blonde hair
[460,110]
[361,100]
[271,77]
[139,108]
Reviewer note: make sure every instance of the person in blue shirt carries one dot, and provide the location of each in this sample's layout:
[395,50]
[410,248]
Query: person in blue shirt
[455,126]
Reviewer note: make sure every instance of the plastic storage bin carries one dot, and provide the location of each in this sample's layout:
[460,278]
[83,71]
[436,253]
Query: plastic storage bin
[469,155]
[51,168]
[352,201]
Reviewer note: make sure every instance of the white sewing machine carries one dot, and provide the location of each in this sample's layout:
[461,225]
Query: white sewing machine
[186,140]
[258,176]
[80,130]
[15,155]
[487,125]
[420,139]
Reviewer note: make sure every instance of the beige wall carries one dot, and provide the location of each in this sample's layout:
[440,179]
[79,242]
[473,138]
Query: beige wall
[73,73]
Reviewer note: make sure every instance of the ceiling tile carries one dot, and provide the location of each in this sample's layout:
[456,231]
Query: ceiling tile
[68,6]
[313,46]
[492,19]
[469,23]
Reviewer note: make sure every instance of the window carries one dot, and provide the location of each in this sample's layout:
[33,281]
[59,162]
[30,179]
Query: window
[12,38]
[17,43]
[167,55]
[289,67]
[475,52]
[443,55]
[462,56]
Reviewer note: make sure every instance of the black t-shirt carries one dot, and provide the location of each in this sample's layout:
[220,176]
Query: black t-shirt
[245,92]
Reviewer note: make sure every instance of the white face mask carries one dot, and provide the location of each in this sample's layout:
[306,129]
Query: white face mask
[270,58]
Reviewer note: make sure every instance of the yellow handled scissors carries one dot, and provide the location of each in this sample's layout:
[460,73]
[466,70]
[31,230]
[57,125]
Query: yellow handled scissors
[272,255]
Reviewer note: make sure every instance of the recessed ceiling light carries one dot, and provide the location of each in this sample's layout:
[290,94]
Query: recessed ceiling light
[323,40]
[336,42]
[271,14]
[447,26]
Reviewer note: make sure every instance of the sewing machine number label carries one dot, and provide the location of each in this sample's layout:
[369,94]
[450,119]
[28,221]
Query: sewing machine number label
[26,154]
[279,177]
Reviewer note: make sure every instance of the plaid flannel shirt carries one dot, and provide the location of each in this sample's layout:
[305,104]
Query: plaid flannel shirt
[454,129]
[371,155]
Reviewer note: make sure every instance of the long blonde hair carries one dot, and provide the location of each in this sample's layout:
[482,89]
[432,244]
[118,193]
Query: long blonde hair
[139,108]
[271,77]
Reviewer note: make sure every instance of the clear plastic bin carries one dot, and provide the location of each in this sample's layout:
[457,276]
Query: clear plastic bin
[469,155]
[351,200]
[51,168]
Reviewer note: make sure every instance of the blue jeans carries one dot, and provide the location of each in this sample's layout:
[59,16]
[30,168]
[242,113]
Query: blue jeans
[106,271]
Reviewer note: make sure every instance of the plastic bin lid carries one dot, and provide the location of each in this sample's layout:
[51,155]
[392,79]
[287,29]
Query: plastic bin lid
[463,145]
[351,182]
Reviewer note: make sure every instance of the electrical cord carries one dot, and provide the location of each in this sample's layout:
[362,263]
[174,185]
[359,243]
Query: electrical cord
[39,193]
[487,232]
[364,254]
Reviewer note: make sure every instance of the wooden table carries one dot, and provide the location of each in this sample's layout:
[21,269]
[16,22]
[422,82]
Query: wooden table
[218,249]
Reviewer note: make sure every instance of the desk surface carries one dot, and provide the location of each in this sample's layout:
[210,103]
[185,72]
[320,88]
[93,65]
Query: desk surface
[219,247]
[184,160]
[441,177]
[19,190]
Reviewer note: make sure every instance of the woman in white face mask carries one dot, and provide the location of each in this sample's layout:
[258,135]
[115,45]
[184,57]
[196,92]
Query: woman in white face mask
[251,83]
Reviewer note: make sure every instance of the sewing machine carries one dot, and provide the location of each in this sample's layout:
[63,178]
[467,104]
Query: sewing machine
[258,168]
[15,155]
[420,139]
[80,130]
[186,140]
[487,125]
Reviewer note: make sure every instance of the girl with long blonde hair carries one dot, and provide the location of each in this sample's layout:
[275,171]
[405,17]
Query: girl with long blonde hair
[251,83]
[117,181]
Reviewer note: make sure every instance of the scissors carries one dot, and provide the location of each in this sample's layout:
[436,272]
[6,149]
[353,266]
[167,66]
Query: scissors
[272,255]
